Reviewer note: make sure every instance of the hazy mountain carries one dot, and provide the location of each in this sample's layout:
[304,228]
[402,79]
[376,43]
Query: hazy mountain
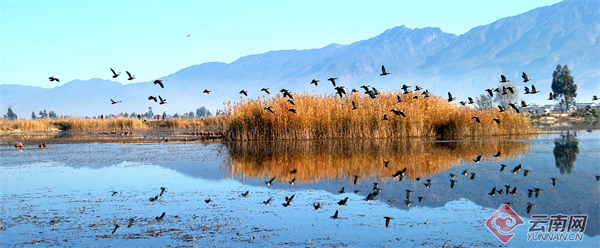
[534,42]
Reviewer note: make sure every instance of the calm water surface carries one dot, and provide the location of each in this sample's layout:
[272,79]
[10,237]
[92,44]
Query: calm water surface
[63,195]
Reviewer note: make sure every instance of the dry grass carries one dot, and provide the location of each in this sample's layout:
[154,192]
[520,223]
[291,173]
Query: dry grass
[331,117]
[342,159]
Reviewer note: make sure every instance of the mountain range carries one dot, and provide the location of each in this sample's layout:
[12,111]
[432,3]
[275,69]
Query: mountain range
[534,42]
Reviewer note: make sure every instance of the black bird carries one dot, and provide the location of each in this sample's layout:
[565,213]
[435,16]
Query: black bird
[342,191]
[538,191]
[355,179]
[207,91]
[270,182]
[518,168]
[290,199]
[314,81]
[490,91]
[450,98]
[387,220]
[417,88]
[152,199]
[162,191]
[524,104]
[464,103]
[374,90]
[477,159]
[399,99]
[529,207]
[383,72]
[366,87]
[525,173]
[159,82]
[595,98]
[471,100]
[530,192]
[493,192]
[504,80]
[405,87]
[340,91]
[131,220]
[385,118]
[343,201]
[245,194]
[597,178]
[293,181]
[525,78]
[465,173]
[399,112]
[268,201]
[114,193]
[514,191]
[244,92]
[293,110]
[53,78]
[527,91]
[114,102]
[376,186]
[291,101]
[371,94]
[418,179]
[269,109]
[131,77]
[286,92]
[317,205]
[266,90]
[332,79]
[420,198]
[501,108]
[408,192]
[335,216]
[533,90]
[452,182]
[286,204]
[208,201]
[551,97]
[293,171]
[507,188]
[386,163]
[476,118]
[161,100]
[400,173]
[473,175]
[426,93]
[116,227]
[554,181]
[496,120]
[416,97]
[407,202]
[115,75]
[452,176]
[514,106]
[159,218]
[354,105]
[151,97]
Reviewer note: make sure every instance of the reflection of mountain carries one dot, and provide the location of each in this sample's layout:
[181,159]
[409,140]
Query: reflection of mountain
[342,159]
[565,152]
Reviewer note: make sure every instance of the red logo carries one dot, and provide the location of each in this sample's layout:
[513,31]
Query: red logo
[502,222]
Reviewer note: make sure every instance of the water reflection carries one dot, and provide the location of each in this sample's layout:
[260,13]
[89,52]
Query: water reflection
[372,159]
[565,151]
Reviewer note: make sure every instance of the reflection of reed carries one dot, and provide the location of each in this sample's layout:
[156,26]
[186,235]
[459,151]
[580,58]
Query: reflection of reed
[342,159]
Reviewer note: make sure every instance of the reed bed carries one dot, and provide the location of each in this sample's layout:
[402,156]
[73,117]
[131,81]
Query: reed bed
[331,117]
[324,160]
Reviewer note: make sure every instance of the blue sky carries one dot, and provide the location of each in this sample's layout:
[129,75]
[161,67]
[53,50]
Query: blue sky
[84,39]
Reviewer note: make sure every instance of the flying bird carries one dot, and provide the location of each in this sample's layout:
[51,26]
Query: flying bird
[116,227]
[161,100]
[340,91]
[525,78]
[452,182]
[493,192]
[524,104]
[476,118]
[207,91]
[385,118]
[332,79]
[595,98]
[268,201]
[399,112]
[490,91]
[266,90]
[292,110]
[159,218]
[208,201]
[270,182]
[245,194]
[291,101]
[533,90]
[317,205]
[501,108]
[162,191]
[244,92]
[529,207]
[496,120]
[151,97]
[473,175]
[551,97]
[417,88]
[527,91]
[114,102]
[342,190]
[554,180]
[115,75]
[314,81]
[286,92]
[269,109]
[471,100]
[131,77]
[502,167]
[504,80]
[514,106]
[383,72]
[354,105]
[52,78]
[450,98]
[399,99]
[159,82]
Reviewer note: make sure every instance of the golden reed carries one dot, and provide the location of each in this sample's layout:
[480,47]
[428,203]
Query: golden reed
[322,160]
[331,117]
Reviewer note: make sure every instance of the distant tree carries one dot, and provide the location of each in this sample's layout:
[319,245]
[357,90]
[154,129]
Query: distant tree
[191,114]
[484,101]
[126,115]
[150,114]
[504,99]
[33,117]
[45,113]
[52,114]
[202,111]
[133,114]
[11,115]
[176,115]
[564,88]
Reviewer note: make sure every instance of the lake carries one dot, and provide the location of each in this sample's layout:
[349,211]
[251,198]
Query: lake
[109,194]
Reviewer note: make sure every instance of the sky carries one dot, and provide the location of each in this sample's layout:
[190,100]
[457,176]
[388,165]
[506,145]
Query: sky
[84,39]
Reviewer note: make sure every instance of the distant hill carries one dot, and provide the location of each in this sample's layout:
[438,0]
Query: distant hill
[534,42]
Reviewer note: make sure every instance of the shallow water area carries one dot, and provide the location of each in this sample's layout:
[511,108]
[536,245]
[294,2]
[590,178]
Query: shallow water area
[99,194]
